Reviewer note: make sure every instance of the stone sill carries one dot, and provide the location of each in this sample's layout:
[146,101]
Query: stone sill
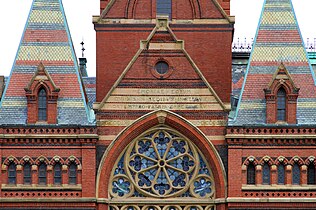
[279,187]
[21,187]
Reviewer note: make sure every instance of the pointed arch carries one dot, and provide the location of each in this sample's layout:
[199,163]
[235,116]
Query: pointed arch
[266,159]
[296,160]
[251,160]
[174,121]
[72,159]
[41,159]
[56,159]
[11,159]
[27,159]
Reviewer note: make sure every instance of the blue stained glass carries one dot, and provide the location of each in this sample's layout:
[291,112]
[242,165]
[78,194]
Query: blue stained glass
[172,153]
[179,146]
[121,187]
[281,174]
[151,153]
[151,174]
[172,174]
[160,164]
[179,181]
[266,174]
[161,142]
[136,163]
[202,187]
[187,163]
[143,180]
[144,146]
[296,174]
[120,167]
[203,167]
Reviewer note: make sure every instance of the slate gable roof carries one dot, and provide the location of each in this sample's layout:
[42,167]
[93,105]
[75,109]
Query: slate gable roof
[46,39]
[278,40]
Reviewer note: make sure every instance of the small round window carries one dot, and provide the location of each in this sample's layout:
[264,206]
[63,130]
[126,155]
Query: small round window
[162,67]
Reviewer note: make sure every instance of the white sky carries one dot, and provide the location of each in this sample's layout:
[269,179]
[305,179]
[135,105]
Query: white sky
[13,16]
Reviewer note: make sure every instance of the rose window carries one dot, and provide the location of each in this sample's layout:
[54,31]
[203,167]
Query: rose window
[161,163]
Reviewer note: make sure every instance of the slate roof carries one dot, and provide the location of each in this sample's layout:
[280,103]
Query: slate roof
[278,39]
[90,87]
[46,38]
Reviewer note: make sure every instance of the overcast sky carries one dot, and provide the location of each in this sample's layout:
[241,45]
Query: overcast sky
[13,15]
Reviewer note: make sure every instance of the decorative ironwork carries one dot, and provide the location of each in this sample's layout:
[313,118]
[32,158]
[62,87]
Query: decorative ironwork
[245,45]
[161,163]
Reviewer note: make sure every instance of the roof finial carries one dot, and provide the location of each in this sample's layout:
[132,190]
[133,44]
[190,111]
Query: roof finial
[82,49]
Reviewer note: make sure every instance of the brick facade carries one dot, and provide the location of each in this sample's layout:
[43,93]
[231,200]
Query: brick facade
[155,129]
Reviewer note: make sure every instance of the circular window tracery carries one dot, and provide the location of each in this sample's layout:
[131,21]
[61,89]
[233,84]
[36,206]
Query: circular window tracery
[162,67]
[161,163]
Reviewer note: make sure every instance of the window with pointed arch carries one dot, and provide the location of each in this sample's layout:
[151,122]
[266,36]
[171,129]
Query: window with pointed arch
[42,105]
[12,174]
[162,163]
[251,174]
[27,176]
[42,174]
[57,174]
[164,7]
[281,174]
[72,174]
[311,174]
[281,104]
[266,174]
[296,174]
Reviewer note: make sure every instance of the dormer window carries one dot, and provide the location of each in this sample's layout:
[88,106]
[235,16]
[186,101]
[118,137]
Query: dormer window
[42,96]
[42,105]
[281,104]
[164,7]
[281,98]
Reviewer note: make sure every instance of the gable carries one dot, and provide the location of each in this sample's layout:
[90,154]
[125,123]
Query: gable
[141,87]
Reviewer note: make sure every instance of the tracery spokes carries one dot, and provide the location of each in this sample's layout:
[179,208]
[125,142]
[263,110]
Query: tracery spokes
[161,163]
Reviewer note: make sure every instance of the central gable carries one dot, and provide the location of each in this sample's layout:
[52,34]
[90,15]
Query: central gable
[161,76]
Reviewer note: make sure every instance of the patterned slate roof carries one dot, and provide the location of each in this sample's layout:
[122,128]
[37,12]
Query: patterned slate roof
[278,39]
[46,39]
[90,87]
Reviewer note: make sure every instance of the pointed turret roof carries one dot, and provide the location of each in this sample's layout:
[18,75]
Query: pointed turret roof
[46,39]
[278,40]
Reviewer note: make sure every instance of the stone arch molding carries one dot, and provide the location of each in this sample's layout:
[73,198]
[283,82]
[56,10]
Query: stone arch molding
[198,150]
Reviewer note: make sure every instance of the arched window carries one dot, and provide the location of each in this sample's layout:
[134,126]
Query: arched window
[266,174]
[311,174]
[281,174]
[42,105]
[27,174]
[164,7]
[281,105]
[57,174]
[251,174]
[296,174]
[162,163]
[12,174]
[72,173]
[42,174]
